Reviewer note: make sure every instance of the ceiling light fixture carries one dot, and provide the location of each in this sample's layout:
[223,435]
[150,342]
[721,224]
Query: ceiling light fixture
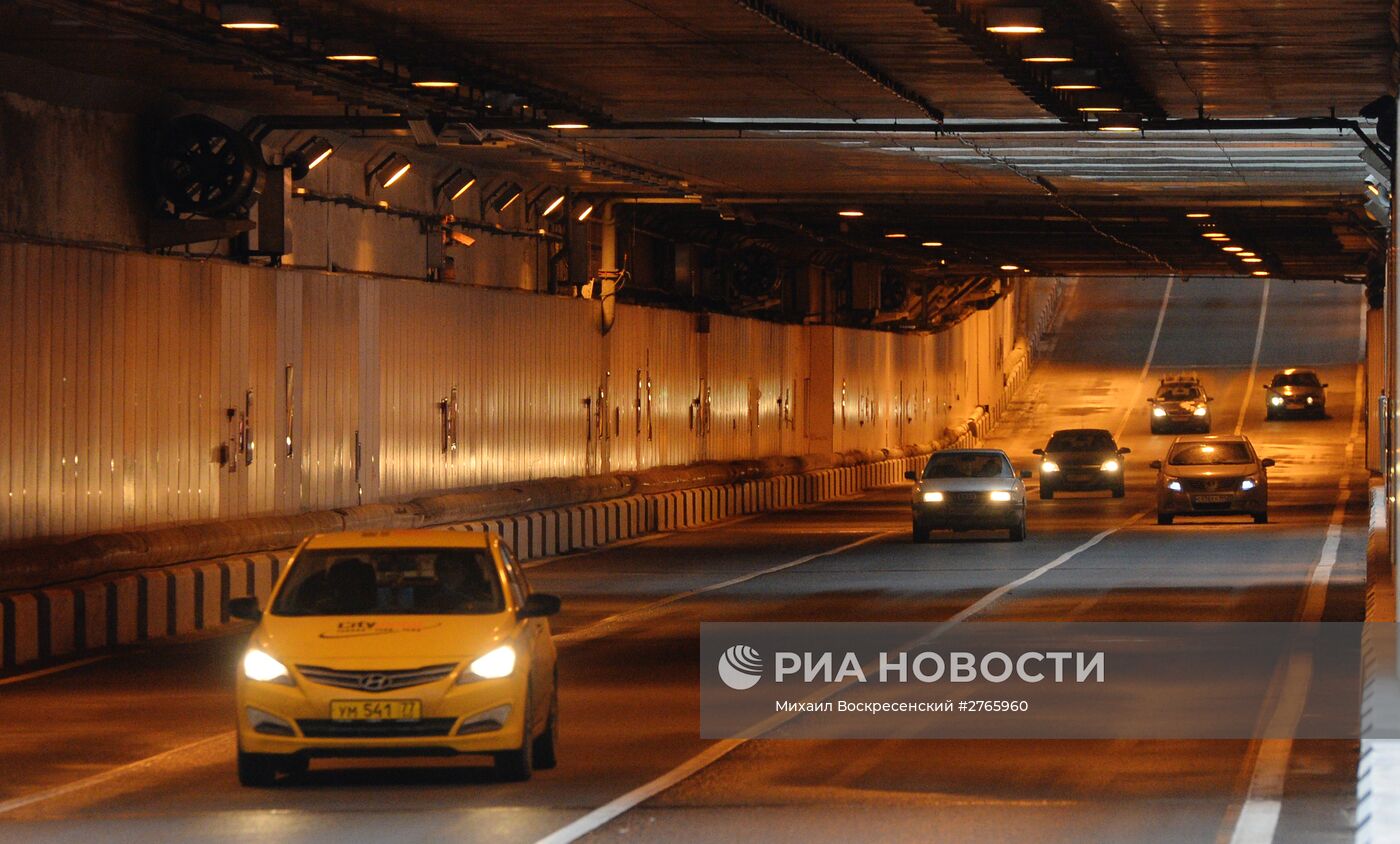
[1123,121]
[1212,234]
[433,78]
[585,213]
[1261,272]
[1252,260]
[1011,268]
[389,170]
[304,158]
[350,51]
[1245,255]
[1099,101]
[1074,79]
[1197,215]
[505,196]
[851,212]
[895,235]
[1013,20]
[551,199]
[567,124]
[932,243]
[1232,248]
[1048,50]
[245,17]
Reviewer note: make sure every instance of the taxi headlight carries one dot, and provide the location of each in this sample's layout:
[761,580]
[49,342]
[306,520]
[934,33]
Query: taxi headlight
[1174,486]
[1276,401]
[1247,484]
[492,665]
[1200,410]
[263,668]
[1049,466]
[933,497]
[1000,495]
[1111,466]
[1158,411]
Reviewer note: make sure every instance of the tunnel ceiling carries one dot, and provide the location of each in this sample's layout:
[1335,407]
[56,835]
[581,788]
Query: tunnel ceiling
[1012,175]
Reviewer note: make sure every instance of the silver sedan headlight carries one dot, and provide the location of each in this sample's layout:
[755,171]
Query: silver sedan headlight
[933,497]
[1000,495]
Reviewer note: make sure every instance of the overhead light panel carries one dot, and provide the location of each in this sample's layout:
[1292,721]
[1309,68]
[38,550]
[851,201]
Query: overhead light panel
[505,196]
[457,184]
[350,51]
[1011,268]
[1260,273]
[1244,254]
[895,235]
[1252,260]
[851,212]
[390,169]
[433,78]
[1099,101]
[549,200]
[1048,50]
[245,17]
[1123,121]
[1198,215]
[585,211]
[1014,20]
[1232,248]
[932,243]
[1074,79]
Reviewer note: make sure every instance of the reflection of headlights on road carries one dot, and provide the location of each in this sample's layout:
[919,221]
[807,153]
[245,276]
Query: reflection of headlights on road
[1110,466]
[933,497]
[1247,484]
[1001,495]
[1174,486]
[263,668]
[1049,466]
[1157,411]
[494,664]
[1277,401]
[1200,411]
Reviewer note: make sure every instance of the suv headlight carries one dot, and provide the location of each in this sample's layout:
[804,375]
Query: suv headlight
[933,497]
[1174,486]
[1049,466]
[1159,411]
[1200,410]
[262,667]
[1111,465]
[1276,401]
[492,665]
[1247,484]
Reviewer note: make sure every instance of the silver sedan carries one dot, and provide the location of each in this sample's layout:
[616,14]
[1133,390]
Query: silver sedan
[969,489]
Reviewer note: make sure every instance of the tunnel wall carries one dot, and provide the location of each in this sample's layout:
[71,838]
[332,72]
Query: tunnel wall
[127,374]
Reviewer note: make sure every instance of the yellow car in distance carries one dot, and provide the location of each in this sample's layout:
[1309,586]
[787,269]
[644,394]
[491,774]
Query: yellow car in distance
[398,643]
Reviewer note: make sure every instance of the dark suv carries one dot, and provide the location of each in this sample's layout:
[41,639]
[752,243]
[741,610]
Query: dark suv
[1081,459]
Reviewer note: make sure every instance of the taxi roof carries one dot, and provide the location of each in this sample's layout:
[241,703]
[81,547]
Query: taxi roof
[421,538]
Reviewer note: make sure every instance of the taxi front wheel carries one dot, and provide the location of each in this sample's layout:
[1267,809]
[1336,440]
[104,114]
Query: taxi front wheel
[544,750]
[518,765]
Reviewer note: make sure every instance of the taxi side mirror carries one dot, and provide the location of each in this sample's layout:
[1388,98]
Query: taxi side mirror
[1025,473]
[539,605]
[245,608]
[911,476]
[1155,464]
[1267,462]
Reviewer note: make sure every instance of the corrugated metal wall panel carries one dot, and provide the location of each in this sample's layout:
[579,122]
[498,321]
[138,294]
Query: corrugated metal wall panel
[124,368]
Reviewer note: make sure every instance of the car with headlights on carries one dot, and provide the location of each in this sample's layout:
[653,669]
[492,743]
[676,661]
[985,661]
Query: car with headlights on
[1212,475]
[1081,460]
[398,643]
[1295,392]
[1180,404]
[969,489]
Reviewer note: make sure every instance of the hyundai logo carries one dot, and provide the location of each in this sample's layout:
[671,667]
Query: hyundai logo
[374,682]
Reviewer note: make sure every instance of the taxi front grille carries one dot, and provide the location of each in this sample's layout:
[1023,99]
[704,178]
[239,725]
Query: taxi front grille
[1212,484]
[326,728]
[376,681]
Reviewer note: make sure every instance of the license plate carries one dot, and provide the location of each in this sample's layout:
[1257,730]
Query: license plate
[376,710]
[1213,499]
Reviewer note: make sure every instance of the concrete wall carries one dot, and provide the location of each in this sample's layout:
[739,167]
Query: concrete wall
[130,376]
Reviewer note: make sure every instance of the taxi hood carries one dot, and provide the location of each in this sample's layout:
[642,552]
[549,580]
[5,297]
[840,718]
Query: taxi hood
[382,640]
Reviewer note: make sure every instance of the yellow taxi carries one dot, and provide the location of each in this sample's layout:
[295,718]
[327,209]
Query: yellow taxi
[398,643]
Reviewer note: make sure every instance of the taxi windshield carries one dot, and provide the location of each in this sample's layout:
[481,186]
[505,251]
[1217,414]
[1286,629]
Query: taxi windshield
[1179,392]
[391,581]
[968,464]
[1209,454]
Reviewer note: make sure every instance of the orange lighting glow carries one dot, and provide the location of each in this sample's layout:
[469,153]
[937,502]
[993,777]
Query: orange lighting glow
[851,212]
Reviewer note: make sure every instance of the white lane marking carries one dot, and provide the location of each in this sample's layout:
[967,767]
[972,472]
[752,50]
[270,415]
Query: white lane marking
[621,543]
[621,805]
[600,627]
[53,669]
[1258,819]
[1254,361]
[1147,363]
[107,776]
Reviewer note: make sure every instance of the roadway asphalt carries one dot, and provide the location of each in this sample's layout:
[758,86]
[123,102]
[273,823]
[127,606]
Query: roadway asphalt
[138,746]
